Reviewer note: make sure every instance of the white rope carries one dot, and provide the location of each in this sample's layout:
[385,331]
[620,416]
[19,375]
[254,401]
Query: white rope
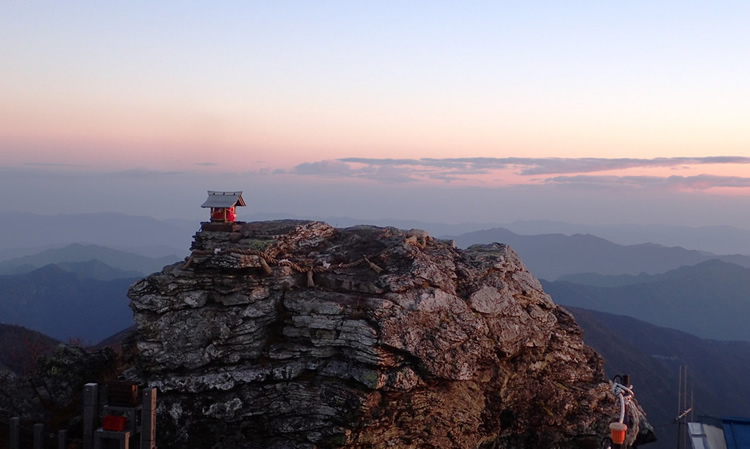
[623,394]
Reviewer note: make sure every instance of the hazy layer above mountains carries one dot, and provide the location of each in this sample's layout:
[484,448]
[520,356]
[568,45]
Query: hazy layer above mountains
[550,256]
[25,233]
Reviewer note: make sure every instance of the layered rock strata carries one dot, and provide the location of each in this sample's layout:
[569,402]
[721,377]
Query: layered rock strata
[295,334]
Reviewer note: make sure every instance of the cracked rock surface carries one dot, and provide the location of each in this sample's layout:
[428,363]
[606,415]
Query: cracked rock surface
[294,334]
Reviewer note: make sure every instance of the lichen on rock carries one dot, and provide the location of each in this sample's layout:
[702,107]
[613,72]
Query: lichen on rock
[294,334]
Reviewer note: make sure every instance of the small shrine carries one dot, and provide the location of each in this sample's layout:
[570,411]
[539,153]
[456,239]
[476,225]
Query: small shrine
[223,206]
[223,210]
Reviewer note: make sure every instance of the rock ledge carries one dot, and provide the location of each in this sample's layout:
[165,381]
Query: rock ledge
[294,334]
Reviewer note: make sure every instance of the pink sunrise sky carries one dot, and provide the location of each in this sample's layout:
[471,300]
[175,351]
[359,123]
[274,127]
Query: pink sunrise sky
[627,99]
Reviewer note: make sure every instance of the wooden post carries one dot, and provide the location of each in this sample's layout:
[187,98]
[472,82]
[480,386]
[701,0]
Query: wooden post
[38,436]
[90,413]
[148,419]
[62,439]
[15,431]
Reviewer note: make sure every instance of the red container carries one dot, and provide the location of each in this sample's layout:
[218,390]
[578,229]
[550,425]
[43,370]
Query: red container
[617,432]
[114,423]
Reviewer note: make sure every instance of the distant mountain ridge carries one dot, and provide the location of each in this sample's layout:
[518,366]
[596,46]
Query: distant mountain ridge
[550,256]
[709,300]
[96,269]
[72,257]
[714,239]
[65,305]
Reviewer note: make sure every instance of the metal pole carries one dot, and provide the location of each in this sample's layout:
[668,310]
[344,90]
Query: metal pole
[148,419]
[685,403]
[679,407]
[62,439]
[15,429]
[90,412]
[38,436]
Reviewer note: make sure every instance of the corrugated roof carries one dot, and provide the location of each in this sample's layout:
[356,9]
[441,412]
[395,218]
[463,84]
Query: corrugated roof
[224,199]
[706,436]
[733,433]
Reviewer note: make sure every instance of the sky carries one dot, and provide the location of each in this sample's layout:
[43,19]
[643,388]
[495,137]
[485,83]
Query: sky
[476,111]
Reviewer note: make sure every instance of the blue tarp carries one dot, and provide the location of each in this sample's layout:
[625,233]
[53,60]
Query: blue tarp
[737,432]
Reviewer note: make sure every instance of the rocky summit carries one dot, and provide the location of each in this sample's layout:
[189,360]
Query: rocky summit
[295,334]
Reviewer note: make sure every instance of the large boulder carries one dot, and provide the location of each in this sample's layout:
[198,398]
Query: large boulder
[294,334]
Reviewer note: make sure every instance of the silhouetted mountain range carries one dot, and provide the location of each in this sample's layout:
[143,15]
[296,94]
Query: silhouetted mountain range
[550,256]
[710,300]
[65,305]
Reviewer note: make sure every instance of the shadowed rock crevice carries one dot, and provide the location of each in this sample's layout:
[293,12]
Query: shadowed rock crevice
[293,334]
